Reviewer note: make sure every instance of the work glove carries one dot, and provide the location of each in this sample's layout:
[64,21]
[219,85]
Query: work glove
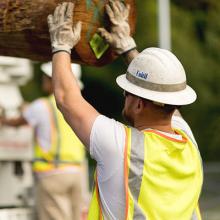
[119,38]
[63,35]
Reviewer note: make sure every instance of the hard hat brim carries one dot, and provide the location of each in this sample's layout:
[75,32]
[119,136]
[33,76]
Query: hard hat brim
[76,69]
[183,97]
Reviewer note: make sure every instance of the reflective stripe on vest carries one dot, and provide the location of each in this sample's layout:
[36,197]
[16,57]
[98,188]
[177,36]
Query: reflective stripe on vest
[196,214]
[58,132]
[136,171]
[95,211]
[66,149]
[158,171]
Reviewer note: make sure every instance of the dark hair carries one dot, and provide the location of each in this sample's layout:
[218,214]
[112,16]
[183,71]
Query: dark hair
[170,108]
[163,108]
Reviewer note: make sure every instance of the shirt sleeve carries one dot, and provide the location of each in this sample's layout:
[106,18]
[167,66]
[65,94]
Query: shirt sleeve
[107,142]
[180,123]
[33,112]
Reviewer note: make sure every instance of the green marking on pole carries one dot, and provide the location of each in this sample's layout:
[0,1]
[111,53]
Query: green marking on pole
[97,15]
[88,4]
[94,19]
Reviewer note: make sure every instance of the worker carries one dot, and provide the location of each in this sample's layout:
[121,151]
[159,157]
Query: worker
[150,169]
[58,155]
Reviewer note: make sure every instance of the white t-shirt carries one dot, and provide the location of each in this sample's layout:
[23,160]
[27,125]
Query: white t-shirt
[37,115]
[107,142]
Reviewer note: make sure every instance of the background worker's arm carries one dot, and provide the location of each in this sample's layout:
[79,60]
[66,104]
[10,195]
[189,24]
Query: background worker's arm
[77,111]
[14,122]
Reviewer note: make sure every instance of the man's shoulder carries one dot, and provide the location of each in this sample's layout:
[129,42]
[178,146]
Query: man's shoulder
[36,107]
[179,123]
[38,103]
[107,135]
[103,121]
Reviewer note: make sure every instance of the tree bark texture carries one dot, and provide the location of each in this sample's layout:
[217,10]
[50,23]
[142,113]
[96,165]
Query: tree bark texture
[24,31]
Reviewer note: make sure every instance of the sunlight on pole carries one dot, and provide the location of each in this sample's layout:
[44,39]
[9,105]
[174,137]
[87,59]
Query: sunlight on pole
[164,24]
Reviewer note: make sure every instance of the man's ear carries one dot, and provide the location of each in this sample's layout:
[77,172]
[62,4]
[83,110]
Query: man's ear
[140,105]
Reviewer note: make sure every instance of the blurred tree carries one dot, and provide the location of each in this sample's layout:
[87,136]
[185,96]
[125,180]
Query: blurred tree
[193,5]
[33,89]
[196,42]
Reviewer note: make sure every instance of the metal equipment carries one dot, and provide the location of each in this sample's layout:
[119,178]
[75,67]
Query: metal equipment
[16,144]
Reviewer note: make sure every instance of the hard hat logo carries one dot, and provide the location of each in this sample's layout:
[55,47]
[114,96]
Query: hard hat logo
[156,74]
[142,75]
[155,86]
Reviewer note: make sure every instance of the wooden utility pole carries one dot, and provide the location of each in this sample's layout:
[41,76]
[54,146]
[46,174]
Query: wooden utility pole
[24,30]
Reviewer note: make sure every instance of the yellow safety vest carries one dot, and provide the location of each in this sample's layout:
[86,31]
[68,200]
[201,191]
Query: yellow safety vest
[163,178]
[66,149]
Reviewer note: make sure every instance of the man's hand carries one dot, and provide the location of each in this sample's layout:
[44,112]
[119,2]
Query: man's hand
[119,38]
[62,33]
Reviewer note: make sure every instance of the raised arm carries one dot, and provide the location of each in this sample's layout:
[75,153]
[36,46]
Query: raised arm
[119,36]
[79,114]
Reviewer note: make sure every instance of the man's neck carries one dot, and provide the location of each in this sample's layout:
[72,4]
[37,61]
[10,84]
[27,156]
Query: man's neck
[161,125]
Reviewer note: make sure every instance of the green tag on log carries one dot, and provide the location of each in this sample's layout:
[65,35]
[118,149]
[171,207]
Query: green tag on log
[98,45]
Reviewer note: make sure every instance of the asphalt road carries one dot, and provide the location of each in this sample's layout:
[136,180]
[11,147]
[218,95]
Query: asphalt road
[210,197]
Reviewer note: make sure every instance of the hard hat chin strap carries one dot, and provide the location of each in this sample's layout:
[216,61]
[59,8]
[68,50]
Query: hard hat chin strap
[154,86]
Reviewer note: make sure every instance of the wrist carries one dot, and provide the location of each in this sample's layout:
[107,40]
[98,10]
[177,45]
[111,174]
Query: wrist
[61,48]
[60,55]
[127,45]
[130,55]
[58,51]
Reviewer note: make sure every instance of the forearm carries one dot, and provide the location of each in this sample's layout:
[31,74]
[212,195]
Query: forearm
[14,122]
[78,113]
[64,83]
[130,55]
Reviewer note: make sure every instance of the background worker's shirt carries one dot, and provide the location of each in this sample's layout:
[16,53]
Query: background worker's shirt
[38,116]
[107,142]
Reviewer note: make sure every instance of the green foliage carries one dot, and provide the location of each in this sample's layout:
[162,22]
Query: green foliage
[33,89]
[195,38]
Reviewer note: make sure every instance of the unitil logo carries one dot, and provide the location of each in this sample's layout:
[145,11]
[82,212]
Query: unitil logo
[141,74]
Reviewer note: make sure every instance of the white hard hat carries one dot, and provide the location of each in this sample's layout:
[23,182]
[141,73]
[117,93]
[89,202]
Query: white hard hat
[156,74]
[76,69]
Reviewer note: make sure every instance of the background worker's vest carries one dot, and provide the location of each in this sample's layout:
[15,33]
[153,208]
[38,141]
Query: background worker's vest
[163,178]
[65,150]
